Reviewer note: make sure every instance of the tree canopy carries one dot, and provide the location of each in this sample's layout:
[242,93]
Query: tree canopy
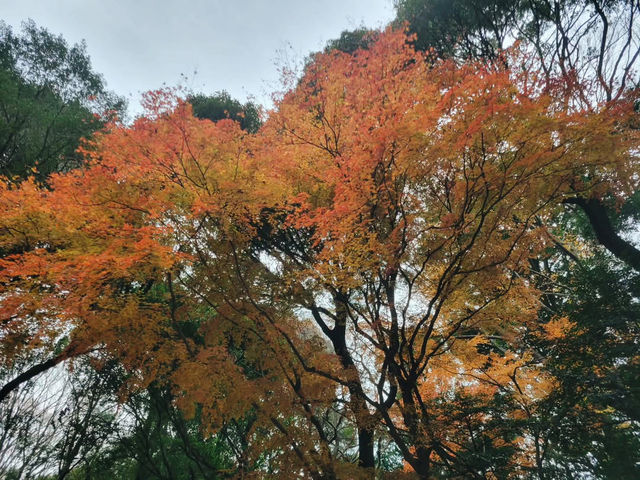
[220,106]
[417,266]
[50,98]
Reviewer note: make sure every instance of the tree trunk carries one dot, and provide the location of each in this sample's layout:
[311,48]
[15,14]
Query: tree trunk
[364,422]
[605,233]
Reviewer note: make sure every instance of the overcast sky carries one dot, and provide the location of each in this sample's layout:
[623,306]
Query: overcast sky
[231,45]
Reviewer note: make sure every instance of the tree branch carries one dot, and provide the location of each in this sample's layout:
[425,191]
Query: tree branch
[31,373]
[605,233]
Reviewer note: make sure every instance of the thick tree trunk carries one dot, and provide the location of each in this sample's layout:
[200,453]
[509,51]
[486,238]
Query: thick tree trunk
[364,423]
[366,458]
[605,233]
[423,465]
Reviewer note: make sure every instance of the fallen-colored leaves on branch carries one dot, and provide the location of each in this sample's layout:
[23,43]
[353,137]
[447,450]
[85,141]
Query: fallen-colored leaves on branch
[366,259]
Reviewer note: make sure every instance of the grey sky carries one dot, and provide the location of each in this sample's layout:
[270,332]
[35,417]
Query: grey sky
[234,45]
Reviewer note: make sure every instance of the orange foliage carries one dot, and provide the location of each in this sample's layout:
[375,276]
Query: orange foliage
[389,204]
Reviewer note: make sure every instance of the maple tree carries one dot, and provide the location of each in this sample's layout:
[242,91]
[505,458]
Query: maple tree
[367,255]
[596,43]
[439,193]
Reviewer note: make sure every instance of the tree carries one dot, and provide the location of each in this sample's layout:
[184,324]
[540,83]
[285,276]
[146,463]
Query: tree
[350,41]
[469,29]
[379,227]
[157,443]
[50,99]
[220,106]
[367,253]
[590,47]
[54,423]
[580,39]
[592,412]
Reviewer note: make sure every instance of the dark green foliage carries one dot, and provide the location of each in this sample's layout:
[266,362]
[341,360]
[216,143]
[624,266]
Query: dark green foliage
[478,29]
[481,425]
[220,106]
[597,408]
[349,41]
[50,98]
[590,425]
[352,40]
[465,28]
[160,444]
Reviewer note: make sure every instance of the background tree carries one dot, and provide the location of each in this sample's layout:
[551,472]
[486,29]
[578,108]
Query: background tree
[55,423]
[586,39]
[351,40]
[220,106]
[462,28]
[50,99]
